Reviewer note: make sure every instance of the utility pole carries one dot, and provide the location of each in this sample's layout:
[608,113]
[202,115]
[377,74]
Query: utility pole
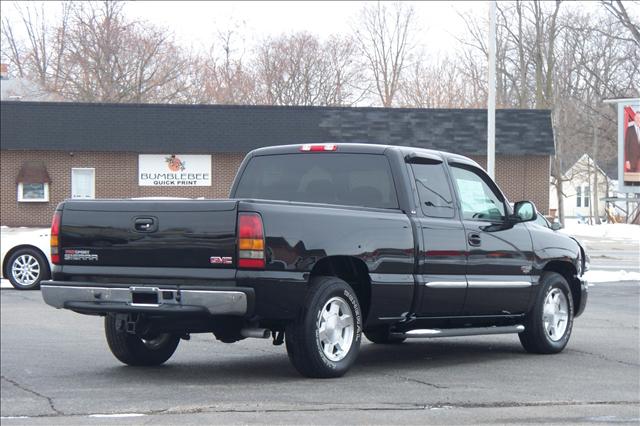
[491,107]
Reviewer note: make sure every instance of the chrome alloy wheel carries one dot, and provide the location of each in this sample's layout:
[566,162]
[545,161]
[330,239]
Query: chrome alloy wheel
[335,327]
[555,314]
[25,270]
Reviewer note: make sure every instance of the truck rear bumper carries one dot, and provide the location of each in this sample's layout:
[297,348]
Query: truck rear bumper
[137,299]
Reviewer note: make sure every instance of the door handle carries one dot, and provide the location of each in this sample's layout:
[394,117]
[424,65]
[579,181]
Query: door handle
[145,224]
[474,239]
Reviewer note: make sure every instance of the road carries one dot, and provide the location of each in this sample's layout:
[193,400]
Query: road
[57,369]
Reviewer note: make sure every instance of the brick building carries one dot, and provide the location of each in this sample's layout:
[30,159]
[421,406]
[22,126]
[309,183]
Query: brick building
[52,151]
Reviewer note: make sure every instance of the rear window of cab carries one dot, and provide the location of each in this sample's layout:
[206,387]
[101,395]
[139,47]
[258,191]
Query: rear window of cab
[328,178]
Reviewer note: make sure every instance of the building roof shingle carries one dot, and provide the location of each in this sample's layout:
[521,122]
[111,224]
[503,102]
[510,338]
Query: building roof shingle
[152,128]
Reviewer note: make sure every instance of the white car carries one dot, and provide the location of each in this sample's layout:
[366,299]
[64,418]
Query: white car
[25,255]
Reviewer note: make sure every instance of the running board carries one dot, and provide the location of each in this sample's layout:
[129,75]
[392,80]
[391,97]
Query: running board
[457,332]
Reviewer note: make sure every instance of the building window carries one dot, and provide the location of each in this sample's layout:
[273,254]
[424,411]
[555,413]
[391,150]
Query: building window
[587,195]
[578,196]
[33,192]
[33,183]
[83,183]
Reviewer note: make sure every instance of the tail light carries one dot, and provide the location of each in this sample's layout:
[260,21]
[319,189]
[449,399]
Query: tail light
[250,241]
[319,148]
[55,237]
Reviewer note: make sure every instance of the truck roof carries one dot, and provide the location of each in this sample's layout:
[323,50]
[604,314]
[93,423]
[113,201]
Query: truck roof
[366,148]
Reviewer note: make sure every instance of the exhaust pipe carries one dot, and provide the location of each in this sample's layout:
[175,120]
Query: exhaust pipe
[258,333]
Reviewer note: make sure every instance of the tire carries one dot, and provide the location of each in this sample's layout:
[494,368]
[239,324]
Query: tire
[324,340]
[548,325]
[26,268]
[381,336]
[133,350]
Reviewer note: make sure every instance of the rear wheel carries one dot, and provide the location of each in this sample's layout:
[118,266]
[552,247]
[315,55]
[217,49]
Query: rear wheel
[137,351]
[548,326]
[324,341]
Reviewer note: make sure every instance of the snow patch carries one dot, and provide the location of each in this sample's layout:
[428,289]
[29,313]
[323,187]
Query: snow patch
[596,276]
[609,231]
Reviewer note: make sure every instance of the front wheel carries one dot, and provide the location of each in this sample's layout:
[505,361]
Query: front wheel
[324,341]
[133,350]
[26,269]
[548,326]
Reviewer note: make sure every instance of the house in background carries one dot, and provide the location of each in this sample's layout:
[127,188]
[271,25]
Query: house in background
[580,189]
[21,89]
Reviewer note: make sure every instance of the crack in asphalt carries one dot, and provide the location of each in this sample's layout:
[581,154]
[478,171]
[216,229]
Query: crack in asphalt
[410,379]
[603,357]
[39,395]
[345,407]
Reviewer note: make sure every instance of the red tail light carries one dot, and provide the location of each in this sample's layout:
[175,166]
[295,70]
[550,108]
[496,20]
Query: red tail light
[55,240]
[250,241]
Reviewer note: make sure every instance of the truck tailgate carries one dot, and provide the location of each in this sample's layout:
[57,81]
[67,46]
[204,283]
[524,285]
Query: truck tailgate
[149,233]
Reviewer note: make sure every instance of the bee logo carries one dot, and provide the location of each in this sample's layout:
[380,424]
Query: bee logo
[175,164]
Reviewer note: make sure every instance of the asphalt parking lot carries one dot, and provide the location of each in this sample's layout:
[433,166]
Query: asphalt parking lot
[57,369]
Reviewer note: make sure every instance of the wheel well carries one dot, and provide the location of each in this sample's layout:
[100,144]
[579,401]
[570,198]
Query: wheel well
[5,261]
[351,270]
[568,271]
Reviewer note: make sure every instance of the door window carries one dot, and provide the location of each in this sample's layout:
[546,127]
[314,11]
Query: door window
[478,199]
[82,183]
[433,189]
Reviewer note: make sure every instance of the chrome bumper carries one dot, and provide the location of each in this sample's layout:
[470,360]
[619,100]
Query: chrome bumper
[149,299]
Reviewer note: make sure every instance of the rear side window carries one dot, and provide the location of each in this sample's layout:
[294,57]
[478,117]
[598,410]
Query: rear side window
[331,178]
[433,189]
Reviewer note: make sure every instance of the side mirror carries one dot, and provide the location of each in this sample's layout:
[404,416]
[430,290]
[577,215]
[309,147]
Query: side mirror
[524,211]
[556,226]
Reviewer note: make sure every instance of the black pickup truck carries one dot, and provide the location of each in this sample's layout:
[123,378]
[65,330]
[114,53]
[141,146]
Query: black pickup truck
[317,245]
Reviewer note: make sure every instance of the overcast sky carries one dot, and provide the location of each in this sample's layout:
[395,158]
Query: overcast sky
[195,22]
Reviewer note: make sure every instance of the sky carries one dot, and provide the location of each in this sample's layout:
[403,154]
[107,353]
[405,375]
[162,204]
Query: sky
[195,23]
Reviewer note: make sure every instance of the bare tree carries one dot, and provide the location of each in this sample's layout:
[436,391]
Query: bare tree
[298,69]
[619,11]
[222,75]
[111,59]
[93,53]
[39,57]
[437,84]
[385,37]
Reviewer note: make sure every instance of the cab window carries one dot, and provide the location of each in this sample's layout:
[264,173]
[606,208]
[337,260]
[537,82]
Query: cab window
[433,189]
[479,201]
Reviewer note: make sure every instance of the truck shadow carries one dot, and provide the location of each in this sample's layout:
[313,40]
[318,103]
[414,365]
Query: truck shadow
[253,367]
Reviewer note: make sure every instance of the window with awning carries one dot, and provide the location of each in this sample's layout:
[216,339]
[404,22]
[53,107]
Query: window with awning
[33,182]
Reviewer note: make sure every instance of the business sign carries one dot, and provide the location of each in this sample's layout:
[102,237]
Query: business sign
[174,170]
[629,145]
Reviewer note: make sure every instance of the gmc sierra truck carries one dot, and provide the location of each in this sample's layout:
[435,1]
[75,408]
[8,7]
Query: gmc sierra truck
[316,246]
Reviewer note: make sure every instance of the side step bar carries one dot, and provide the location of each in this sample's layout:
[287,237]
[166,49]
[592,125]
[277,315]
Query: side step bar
[457,332]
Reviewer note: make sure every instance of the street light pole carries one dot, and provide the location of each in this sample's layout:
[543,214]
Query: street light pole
[491,107]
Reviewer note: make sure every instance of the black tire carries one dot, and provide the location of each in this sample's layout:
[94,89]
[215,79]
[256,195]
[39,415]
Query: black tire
[26,269]
[133,350]
[537,337]
[381,336]
[305,347]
